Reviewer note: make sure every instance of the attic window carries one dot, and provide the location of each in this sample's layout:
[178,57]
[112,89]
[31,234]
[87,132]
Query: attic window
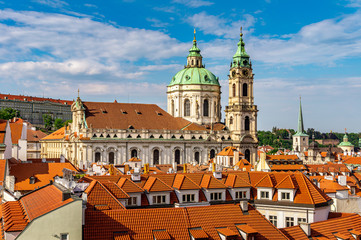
[115,136]
[108,136]
[5,97]
[193,137]
[25,99]
[94,135]
[161,136]
[129,136]
[229,138]
[32,180]
[151,136]
[139,136]
[222,138]
[65,103]
[138,112]
[200,137]
[101,135]
[123,111]
[181,137]
[159,114]
[103,111]
[173,137]
[130,127]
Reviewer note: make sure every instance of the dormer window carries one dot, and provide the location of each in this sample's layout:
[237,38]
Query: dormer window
[159,199]
[285,196]
[188,198]
[216,196]
[159,114]
[123,111]
[264,195]
[241,195]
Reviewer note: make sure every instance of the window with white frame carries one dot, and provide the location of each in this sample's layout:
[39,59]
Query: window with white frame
[216,196]
[285,196]
[290,221]
[188,198]
[132,201]
[64,236]
[159,199]
[273,220]
[264,195]
[241,195]
[301,220]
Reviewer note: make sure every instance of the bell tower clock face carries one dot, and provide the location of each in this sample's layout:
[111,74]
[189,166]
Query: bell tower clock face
[245,73]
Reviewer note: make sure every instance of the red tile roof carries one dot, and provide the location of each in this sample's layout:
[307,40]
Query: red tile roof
[198,233]
[329,229]
[227,232]
[267,181]
[210,182]
[282,157]
[3,124]
[16,129]
[35,135]
[2,171]
[154,184]
[123,115]
[129,186]
[181,182]
[235,181]
[229,151]
[289,182]
[43,173]
[57,135]
[99,195]
[35,99]
[141,223]
[161,235]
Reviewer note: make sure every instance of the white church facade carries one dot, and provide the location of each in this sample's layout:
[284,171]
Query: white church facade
[189,132]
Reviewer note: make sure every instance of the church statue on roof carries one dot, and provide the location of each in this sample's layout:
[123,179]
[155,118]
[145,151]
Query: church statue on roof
[190,131]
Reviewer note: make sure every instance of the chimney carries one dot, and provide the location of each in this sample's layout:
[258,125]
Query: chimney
[342,180]
[66,195]
[175,165]
[185,168]
[136,175]
[62,158]
[244,206]
[306,227]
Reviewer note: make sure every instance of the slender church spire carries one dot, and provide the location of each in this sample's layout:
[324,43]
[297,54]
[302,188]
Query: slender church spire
[241,58]
[300,120]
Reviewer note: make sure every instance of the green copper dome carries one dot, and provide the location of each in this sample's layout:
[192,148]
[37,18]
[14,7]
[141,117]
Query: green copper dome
[194,75]
[194,72]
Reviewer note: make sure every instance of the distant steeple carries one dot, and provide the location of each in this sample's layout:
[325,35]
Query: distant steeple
[300,120]
[241,58]
[194,58]
[300,129]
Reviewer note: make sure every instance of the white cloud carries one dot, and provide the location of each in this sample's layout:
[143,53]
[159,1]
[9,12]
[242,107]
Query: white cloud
[52,3]
[216,25]
[194,3]
[157,23]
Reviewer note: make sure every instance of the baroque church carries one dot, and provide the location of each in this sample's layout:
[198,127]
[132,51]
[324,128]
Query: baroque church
[190,131]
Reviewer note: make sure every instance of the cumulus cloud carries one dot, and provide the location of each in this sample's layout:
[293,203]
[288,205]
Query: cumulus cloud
[52,3]
[194,3]
[216,25]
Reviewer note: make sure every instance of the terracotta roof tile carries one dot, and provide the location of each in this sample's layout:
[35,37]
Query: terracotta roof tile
[267,181]
[288,182]
[35,135]
[129,186]
[16,129]
[181,182]
[229,151]
[122,115]
[210,182]
[99,195]
[235,181]
[43,173]
[227,232]
[286,167]
[2,171]
[178,222]
[154,184]
[161,235]
[57,135]
[115,190]
[198,233]
[35,99]
[122,236]
[295,233]
[282,157]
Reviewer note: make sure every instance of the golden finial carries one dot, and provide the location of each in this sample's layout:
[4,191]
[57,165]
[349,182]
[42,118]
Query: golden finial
[241,34]
[78,92]
[194,39]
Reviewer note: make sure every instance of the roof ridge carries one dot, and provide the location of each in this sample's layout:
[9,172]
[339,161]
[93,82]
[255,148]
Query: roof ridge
[288,177]
[199,187]
[111,194]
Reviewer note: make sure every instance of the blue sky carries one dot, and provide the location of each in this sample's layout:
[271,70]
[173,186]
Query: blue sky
[129,50]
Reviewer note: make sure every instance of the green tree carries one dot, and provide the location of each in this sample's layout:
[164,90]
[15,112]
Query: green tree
[58,123]
[8,113]
[48,121]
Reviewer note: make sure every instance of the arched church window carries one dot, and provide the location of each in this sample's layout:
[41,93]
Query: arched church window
[234,90]
[156,157]
[230,120]
[197,62]
[187,107]
[196,157]
[205,108]
[212,154]
[245,90]
[97,157]
[134,153]
[246,123]
[172,106]
[192,62]
[111,158]
[247,155]
[177,156]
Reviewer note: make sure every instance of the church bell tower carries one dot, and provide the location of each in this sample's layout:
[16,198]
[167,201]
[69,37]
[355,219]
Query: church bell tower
[241,113]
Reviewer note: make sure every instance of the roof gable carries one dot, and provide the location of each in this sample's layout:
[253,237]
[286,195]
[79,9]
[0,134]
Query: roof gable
[209,182]
[235,181]
[181,182]
[154,184]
